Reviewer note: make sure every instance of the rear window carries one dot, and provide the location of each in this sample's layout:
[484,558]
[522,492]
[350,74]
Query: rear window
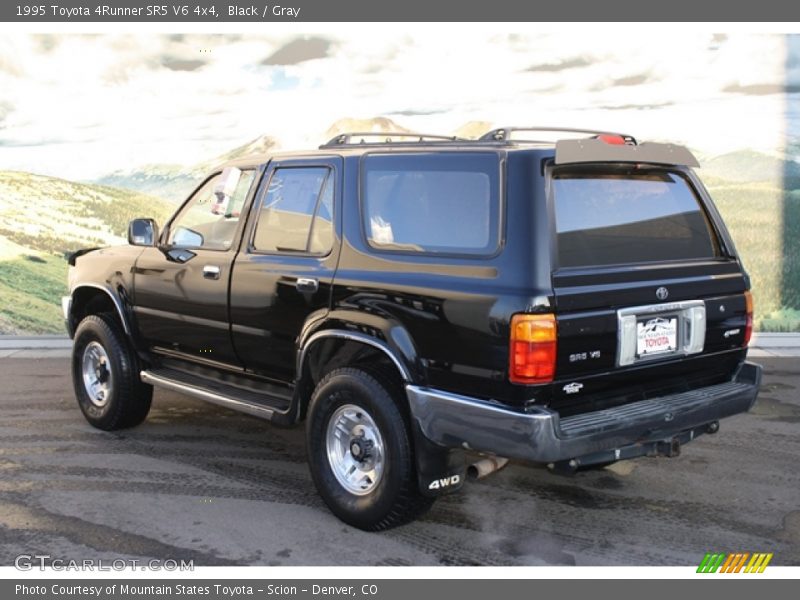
[432,203]
[632,216]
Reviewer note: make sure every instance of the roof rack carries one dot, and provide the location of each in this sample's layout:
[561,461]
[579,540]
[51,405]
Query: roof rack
[387,137]
[495,136]
[503,134]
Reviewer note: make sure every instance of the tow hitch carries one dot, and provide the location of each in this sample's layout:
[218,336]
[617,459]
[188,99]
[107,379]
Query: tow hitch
[669,447]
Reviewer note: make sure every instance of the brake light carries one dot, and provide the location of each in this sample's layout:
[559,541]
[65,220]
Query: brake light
[748,326]
[614,140]
[532,351]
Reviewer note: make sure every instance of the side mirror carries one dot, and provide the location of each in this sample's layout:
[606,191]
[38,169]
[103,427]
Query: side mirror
[142,232]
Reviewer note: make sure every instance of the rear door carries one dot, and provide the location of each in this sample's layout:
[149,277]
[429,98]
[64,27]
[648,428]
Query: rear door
[649,293]
[284,272]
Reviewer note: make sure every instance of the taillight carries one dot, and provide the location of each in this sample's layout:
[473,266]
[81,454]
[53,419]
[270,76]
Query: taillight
[532,352]
[748,326]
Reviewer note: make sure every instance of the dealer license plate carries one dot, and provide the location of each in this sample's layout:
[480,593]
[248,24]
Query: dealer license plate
[656,335]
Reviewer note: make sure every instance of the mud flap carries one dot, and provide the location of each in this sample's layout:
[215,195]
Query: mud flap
[440,470]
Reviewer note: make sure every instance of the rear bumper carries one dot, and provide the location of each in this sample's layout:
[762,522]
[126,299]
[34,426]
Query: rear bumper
[625,431]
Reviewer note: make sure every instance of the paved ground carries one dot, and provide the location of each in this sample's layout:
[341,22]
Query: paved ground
[204,483]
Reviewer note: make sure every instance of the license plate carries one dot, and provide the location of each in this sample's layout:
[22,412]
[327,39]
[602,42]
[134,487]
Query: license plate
[660,331]
[656,335]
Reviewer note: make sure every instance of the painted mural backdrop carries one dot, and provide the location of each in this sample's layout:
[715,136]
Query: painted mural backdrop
[97,129]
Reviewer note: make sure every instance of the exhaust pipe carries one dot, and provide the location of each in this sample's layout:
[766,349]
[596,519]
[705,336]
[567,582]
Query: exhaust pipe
[486,466]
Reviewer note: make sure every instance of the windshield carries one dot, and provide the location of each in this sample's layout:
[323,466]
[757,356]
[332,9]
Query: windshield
[628,216]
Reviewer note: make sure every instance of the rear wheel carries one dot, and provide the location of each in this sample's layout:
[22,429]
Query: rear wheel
[105,375]
[360,452]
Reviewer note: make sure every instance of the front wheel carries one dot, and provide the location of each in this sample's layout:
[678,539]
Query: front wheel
[105,375]
[360,452]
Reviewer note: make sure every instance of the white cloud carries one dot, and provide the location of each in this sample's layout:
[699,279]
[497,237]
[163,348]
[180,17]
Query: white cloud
[86,105]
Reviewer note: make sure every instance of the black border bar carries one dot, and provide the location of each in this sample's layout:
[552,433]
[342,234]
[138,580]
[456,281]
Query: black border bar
[441,11]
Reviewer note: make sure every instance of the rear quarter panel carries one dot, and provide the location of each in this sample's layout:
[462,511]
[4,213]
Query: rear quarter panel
[455,310]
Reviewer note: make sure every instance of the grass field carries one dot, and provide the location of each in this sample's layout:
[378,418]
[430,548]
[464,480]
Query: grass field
[41,220]
[755,216]
[29,285]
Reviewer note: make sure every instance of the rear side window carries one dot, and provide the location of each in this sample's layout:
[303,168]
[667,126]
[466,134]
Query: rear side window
[628,216]
[296,214]
[432,203]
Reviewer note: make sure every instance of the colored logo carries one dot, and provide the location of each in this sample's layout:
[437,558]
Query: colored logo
[736,562]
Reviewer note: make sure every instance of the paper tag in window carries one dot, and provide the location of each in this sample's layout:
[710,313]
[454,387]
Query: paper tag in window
[381,231]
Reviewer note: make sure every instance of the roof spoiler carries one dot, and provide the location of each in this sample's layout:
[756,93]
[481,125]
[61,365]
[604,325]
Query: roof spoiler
[596,150]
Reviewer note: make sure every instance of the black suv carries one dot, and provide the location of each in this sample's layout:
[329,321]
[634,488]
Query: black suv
[431,307]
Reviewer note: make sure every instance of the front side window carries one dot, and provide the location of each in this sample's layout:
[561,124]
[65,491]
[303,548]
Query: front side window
[296,214]
[616,216]
[207,221]
[432,203]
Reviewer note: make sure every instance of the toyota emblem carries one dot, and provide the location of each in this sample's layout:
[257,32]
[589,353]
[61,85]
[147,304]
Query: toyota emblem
[662,293]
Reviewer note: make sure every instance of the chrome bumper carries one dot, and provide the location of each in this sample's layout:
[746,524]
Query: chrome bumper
[539,435]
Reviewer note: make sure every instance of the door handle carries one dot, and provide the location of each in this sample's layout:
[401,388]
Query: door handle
[211,272]
[306,284]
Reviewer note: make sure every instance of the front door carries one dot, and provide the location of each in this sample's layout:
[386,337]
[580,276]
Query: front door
[181,287]
[284,271]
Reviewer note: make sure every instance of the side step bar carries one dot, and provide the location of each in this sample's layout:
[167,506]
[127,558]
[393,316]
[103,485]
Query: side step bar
[238,404]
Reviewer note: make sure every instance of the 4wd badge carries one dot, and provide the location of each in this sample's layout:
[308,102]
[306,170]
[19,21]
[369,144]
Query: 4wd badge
[438,484]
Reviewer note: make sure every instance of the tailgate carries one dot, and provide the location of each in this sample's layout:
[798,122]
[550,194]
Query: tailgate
[649,300]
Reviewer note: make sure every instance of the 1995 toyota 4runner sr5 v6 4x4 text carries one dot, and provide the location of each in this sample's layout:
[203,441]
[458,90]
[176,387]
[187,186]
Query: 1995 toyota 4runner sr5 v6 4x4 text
[430,307]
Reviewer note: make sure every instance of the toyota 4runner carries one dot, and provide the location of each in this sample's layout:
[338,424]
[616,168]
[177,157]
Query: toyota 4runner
[430,306]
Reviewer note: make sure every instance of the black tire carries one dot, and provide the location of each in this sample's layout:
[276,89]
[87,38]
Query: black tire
[395,498]
[127,400]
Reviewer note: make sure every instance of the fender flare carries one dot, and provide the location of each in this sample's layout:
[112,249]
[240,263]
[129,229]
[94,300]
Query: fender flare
[402,367]
[114,299]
